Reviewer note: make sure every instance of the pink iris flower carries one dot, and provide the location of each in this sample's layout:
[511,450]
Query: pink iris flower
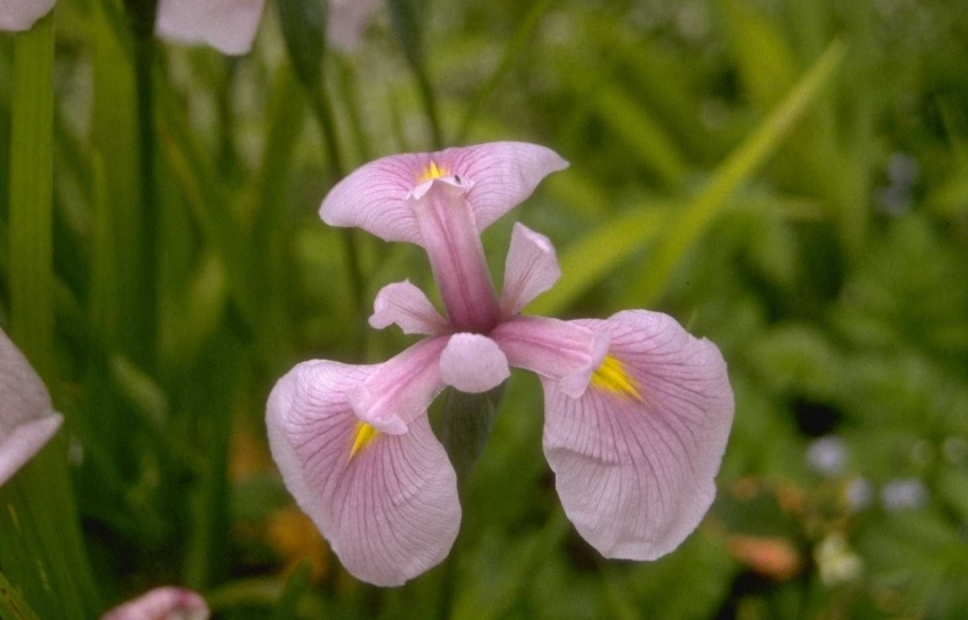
[230,25]
[637,411]
[19,15]
[27,417]
[165,603]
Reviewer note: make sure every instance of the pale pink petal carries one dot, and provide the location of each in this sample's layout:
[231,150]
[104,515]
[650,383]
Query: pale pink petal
[165,603]
[636,456]
[27,417]
[18,15]
[531,268]
[453,245]
[227,25]
[497,176]
[389,509]
[400,389]
[502,174]
[565,351]
[407,306]
[473,363]
[346,22]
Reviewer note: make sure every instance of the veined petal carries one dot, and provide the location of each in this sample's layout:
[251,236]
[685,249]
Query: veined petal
[453,244]
[566,352]
[346,22]
[531,268]
[389,509]
[497,176]
[407,306]
[227,25]
[473,363]
[503,174]
[19,15]
[27,417]
[400,389]
[636,456]
[165,603]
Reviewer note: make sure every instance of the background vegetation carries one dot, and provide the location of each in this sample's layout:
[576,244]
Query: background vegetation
[787,178]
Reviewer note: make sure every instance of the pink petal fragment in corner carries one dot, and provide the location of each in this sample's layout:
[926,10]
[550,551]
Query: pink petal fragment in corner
[473,363]
[166,603]
[407,306]
[27,417]
[19,15]
[636,456]
[531,268]
[227,25]
[388,507]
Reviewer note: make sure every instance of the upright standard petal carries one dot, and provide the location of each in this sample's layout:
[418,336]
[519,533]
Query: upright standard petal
[531,268]
[636,456]
[18,15]
[452,240]
[227,25]
[27,417]
[387,504]
[497,176]
[407,306]
[166,603]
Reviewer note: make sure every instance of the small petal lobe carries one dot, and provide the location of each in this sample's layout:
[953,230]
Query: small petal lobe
[165,603]
[473,363]
[531,268]
[407,306]
[27,417]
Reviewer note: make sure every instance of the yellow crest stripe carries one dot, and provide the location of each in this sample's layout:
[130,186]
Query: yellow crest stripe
[363,435]
[612,377]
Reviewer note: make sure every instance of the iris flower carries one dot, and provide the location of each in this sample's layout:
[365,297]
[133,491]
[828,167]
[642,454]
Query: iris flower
[27,417]
[18,15]
[165,603]
[637,411]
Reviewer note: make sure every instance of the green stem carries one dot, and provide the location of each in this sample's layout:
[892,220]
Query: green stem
[144,60]
[43,553]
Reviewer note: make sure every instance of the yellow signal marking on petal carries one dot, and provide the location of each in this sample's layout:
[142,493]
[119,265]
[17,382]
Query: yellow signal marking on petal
[432,171]
[364,434]
[612,377]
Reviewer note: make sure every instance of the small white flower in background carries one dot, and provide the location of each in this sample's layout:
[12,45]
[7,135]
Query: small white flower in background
[859,494]
[347,21]
[27,416]
[18,15]
[836,561]
[828,455]
[904,494]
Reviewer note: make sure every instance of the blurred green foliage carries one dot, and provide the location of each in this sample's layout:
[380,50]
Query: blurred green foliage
[787,178]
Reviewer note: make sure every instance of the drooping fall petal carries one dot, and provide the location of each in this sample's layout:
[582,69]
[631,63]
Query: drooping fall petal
[227,25]
[531,268]
[18,15]
[407,306]
[473,363]
[166,603]
[635,457]
[27,417]
[387,504]
[497,176]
